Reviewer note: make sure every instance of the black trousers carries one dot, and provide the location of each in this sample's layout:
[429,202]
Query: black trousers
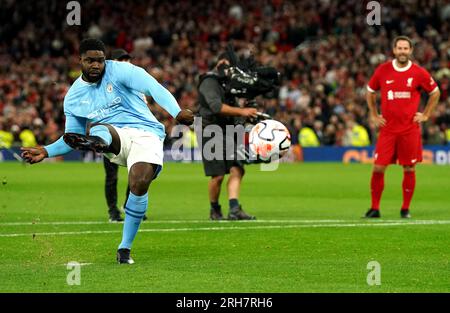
[111,171]
[221,167]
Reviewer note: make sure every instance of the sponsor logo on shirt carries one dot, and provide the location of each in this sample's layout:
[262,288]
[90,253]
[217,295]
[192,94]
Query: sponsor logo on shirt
[389,82]
[106,110]
[391,95]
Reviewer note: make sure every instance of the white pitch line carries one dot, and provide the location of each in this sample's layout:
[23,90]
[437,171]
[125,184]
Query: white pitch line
[168,222]
[198,222]
[89,232]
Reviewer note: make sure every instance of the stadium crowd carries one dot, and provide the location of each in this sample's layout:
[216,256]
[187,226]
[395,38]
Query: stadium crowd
[324,49]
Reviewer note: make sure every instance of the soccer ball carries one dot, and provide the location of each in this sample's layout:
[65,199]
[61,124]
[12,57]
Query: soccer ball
[269,140]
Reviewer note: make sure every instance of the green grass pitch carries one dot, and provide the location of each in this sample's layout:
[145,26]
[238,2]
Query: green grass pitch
[309,236]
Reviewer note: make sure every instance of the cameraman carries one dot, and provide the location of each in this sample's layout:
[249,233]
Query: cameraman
[221,109]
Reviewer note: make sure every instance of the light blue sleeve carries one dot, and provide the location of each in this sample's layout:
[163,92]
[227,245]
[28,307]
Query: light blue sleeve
[73,125]
[136,78]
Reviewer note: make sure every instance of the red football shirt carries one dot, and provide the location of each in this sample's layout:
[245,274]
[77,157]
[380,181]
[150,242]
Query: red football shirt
[400,93]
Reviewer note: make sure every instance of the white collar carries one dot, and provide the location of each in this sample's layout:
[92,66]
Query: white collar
[401,69]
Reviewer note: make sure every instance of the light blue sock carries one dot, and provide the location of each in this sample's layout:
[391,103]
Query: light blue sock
[135,209]
[101,131]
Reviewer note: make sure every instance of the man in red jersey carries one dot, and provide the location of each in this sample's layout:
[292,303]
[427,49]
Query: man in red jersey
[399,81]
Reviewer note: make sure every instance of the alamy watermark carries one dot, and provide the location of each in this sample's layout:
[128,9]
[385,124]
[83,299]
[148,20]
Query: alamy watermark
[374,275]
[216,143]
[74,15]
[74,276]
[374,16]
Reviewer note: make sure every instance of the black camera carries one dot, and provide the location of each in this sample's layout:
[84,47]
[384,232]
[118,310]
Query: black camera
[244,79]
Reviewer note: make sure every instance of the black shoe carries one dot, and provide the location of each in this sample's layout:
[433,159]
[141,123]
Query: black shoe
[114,215]
[89,143]
[237,213]
[373,213]
[123,256]
[215,214]
[405,213]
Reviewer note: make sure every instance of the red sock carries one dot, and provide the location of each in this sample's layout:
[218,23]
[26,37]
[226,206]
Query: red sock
[409,182]
[376,189]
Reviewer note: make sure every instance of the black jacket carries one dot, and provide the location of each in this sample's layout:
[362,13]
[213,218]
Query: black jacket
[212,95]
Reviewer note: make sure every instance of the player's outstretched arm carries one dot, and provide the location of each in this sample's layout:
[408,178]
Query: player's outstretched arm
[59,147]
[37,154]
[137,78]
[163,97]
[33,155]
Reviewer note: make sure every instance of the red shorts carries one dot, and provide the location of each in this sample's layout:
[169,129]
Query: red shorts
[406,148]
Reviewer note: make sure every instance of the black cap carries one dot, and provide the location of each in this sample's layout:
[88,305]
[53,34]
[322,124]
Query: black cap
[120,54]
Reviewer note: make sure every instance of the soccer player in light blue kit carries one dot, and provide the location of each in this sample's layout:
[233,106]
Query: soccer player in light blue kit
[109,95]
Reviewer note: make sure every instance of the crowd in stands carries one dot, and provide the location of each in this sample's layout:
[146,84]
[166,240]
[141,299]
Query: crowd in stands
[324,49]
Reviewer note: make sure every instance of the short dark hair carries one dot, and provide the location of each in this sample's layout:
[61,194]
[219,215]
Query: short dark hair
[405,38]
[91,44]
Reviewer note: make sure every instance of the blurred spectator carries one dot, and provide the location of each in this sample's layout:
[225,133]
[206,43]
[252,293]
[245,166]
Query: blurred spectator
[329,138]
[308,138]
[27,138]
[6,137]
[318,130]
[434,136]
[360,137]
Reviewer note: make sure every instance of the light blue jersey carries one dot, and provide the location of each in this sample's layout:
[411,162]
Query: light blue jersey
[117,99]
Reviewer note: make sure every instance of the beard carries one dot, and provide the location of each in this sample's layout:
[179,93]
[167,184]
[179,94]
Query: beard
[93,77]
[402,59]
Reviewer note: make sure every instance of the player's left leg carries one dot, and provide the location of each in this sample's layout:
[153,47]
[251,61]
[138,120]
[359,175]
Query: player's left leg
[143,153]
[409,154]
[140,176]
[408,186]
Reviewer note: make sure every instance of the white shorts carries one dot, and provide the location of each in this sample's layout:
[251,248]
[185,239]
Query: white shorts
[137,145]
